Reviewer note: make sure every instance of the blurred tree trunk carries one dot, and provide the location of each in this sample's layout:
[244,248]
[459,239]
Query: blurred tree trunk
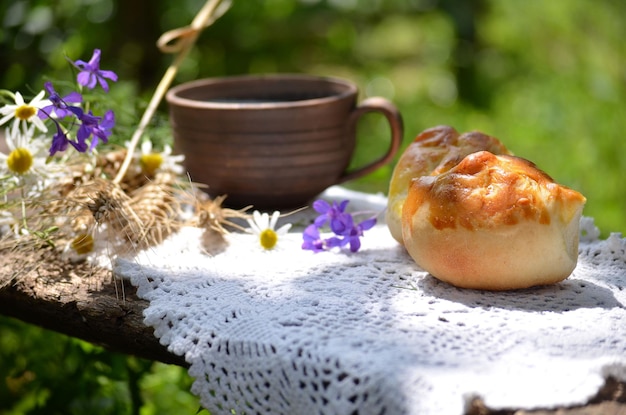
[466,16]
[138,31]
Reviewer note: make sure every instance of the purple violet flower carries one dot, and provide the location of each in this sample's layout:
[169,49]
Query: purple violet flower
[60,142]
[341,224]
[91,73]
[352,235]
[89,125]
[333,214]
[60,107]
[312,240]
[99,127]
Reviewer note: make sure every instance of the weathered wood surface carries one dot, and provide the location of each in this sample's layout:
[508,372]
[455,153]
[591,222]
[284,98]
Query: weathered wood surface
[83,302]
[80,301]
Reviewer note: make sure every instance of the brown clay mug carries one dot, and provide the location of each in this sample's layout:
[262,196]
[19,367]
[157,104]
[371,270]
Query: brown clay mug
[272,141]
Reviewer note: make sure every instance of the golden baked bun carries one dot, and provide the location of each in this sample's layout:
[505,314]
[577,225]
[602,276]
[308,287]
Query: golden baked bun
[493,222]
[434,151]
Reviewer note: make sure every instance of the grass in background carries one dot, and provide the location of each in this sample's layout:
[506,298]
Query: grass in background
[44,372]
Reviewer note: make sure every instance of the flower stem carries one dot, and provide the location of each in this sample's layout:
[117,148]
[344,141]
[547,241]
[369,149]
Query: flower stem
[23,205]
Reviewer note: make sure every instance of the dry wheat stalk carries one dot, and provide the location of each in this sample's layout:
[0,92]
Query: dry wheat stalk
[158,208]
[211,216]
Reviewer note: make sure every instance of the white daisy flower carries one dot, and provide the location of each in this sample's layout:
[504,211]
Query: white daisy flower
[27,158]
[20,158]
[25,113]
[151,162]
[264,227]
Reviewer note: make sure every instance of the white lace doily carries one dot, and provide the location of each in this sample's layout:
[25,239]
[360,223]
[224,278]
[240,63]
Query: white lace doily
[293,332]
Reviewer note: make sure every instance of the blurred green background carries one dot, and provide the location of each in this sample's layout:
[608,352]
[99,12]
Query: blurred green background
[548,78]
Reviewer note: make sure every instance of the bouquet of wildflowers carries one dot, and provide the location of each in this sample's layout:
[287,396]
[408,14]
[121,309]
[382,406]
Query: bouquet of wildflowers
[61,181]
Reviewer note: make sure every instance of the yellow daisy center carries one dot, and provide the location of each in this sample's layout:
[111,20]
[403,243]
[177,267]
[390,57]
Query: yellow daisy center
[268,239]
[20,160]
[25,112]
[82,244]
[150,163]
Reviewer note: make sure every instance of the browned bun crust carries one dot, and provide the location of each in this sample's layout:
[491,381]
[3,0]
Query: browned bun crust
[434,151]
[492,222]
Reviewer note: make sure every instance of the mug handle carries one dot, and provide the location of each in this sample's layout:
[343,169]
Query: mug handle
[391,113]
